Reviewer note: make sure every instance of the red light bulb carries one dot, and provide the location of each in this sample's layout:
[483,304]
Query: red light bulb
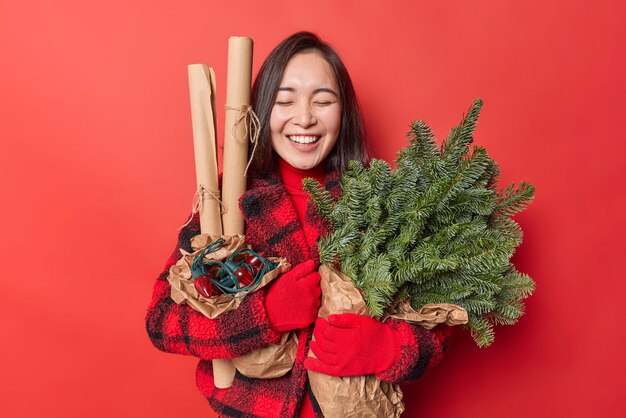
[254,261]
[203,286]
[244,276]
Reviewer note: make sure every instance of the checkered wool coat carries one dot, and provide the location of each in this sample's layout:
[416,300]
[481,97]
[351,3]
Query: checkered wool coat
[272,227]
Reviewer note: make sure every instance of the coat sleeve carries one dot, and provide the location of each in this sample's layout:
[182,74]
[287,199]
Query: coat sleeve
[420,350]
[180,329]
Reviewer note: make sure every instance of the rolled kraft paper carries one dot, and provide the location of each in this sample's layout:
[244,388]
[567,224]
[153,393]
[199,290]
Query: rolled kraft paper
[235,156]
[235,138]
[202,97]
[201,93]
[359,396]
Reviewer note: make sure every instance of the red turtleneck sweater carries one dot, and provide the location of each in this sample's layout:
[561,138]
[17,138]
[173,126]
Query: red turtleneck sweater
[292,178]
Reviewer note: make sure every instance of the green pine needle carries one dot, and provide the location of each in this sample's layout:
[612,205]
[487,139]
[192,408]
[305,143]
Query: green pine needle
[436,229]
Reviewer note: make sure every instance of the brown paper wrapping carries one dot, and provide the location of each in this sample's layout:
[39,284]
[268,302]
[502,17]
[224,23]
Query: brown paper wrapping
[366,396]
[235,138]
[183,290]
[202,98]
[429,315]
[269,362]
[360,396]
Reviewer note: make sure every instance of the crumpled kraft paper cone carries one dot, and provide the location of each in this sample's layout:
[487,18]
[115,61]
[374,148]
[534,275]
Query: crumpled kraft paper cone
[429,315]
[266,363]
[269,362]
[367,396]
[346,397]
[183,290]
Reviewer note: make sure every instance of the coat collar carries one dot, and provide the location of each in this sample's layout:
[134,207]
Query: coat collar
[272,225]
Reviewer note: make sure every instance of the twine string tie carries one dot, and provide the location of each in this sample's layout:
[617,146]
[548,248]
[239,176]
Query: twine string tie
[252,128]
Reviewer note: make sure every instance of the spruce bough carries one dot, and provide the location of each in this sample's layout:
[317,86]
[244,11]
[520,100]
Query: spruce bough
[434,230]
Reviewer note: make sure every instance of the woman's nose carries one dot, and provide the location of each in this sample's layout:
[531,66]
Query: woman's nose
[304,116]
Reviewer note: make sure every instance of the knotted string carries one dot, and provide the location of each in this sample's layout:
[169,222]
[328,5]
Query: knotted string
[203,193]
[252,126]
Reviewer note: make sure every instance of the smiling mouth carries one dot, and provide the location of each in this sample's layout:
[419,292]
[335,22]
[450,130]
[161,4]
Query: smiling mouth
[304,139]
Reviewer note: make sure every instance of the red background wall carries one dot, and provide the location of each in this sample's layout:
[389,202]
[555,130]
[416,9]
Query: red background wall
[97,174]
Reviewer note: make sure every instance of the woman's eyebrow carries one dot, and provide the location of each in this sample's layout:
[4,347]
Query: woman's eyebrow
[316,91]
[325,90]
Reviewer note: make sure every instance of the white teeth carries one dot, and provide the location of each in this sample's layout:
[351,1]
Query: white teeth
[301,139]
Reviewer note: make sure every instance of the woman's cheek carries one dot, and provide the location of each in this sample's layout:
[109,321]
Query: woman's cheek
[279,116]
[332,118]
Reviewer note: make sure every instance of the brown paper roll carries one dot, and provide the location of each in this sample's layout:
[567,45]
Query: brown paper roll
[235,138]
[201,94]
[235,155]
[201,89]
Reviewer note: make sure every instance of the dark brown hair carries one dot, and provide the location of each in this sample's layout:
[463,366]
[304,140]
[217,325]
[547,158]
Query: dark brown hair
[351,140]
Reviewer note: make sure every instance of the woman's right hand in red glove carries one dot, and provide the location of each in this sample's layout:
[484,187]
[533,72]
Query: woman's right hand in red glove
[293,300]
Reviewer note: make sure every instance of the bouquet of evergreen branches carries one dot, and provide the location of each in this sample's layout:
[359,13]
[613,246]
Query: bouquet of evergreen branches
[434,230]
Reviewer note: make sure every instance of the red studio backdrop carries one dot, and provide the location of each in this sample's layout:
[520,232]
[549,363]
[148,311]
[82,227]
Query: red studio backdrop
[97,175]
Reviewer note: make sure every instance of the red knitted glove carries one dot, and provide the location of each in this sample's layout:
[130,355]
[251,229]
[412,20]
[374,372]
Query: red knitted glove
[293,300]
[353,345]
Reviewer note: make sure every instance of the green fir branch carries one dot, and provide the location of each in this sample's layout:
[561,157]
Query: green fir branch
[436,229]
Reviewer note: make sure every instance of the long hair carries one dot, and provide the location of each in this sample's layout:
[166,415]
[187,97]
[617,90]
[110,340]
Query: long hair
[351,140]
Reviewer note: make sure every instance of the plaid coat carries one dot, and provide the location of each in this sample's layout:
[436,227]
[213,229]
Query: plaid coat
[272,227]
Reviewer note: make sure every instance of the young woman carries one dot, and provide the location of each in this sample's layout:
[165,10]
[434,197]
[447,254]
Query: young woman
[311,127]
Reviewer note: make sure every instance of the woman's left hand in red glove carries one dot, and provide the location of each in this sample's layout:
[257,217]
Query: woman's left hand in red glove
[353,345]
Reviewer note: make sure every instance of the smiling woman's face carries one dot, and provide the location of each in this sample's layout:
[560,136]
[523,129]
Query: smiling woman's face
[306,116]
